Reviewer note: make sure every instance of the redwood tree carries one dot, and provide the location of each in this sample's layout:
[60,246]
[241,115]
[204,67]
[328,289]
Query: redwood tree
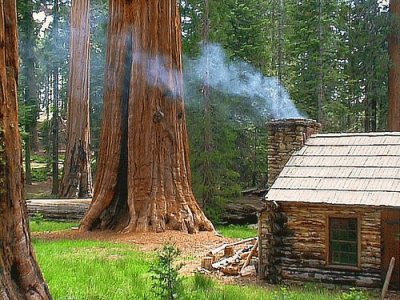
[20,277]
[143,179]
[394,71]
[77,178]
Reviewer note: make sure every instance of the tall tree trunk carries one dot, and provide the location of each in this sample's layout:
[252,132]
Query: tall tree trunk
[54,135]
[77,175]
[20,277]
[394,71]
[207,193]
[55,127]
[320,88]
[280,43]
[143,181]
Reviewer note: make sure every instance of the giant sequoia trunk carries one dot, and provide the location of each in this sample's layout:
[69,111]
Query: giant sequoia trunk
[143,180]
[77,178]
[394,72]
[20,277]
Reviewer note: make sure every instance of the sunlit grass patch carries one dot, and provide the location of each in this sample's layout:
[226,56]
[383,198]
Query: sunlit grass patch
[237,231]
[37,224]
[93,270]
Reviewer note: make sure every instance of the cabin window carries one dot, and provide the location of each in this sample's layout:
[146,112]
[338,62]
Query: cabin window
[343,241]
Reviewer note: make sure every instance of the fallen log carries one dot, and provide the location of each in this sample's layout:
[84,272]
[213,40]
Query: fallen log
[58,209]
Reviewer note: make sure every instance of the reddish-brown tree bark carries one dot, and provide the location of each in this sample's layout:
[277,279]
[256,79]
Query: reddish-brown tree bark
[143,180]
[394,71]
[20,277]
[77,177]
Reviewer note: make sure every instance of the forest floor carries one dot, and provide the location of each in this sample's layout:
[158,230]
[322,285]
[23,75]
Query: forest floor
[38,189]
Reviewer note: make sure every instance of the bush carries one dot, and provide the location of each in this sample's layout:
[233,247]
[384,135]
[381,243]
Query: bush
[354,294]
[37,218]
[40,174]
[166,281]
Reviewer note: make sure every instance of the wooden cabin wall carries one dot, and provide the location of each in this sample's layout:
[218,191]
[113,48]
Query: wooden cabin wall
[301,251]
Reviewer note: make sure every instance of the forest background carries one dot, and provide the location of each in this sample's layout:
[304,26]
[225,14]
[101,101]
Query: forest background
[330,56]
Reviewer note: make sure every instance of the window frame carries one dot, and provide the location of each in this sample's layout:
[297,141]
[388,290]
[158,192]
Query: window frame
[329,262]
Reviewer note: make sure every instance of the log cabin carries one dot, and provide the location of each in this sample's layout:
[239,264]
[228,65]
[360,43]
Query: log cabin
[332,213]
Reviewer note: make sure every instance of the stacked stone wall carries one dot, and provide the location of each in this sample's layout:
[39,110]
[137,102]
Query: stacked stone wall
[284,138]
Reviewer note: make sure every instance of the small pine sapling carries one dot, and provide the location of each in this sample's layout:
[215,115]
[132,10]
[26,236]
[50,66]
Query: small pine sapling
[165,273]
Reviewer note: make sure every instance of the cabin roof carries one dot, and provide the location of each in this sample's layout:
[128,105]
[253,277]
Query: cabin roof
[354,169]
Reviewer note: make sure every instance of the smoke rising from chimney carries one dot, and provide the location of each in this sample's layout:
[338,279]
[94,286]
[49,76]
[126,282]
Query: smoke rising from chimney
[238,78]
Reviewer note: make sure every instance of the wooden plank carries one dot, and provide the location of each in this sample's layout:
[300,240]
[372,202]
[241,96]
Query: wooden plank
[246,263]
[230,260]
[222,247]
[387,279]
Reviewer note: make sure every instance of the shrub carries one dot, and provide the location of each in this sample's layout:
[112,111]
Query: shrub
[166,281]
[37,218]
[40,174]
[354,294]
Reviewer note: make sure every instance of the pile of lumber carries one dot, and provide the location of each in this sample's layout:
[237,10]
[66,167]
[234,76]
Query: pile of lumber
[234,259]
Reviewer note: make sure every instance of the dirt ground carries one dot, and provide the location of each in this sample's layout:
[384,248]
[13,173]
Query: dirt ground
[38,190]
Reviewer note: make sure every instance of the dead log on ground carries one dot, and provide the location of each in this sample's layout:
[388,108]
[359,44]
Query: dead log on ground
[58,209]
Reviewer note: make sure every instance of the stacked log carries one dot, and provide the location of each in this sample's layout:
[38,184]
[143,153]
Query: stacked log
[272,232]
[233,259]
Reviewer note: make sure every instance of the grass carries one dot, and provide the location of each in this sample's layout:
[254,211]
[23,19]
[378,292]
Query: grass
[37,225]
[237,231]
[89,270]
[86,270]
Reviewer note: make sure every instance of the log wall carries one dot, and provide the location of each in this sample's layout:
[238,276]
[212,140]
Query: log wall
[303,251]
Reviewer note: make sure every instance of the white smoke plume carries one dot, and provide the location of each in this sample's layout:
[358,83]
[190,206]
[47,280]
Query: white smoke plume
[238,78]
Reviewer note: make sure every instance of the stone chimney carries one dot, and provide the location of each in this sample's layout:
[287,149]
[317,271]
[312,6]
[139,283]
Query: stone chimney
[285,136]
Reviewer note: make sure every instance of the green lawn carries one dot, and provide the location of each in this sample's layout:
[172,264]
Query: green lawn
[38,225]
[89,270]
[237,231]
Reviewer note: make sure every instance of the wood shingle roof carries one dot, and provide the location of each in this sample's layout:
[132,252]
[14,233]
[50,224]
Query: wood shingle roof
[356,169]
